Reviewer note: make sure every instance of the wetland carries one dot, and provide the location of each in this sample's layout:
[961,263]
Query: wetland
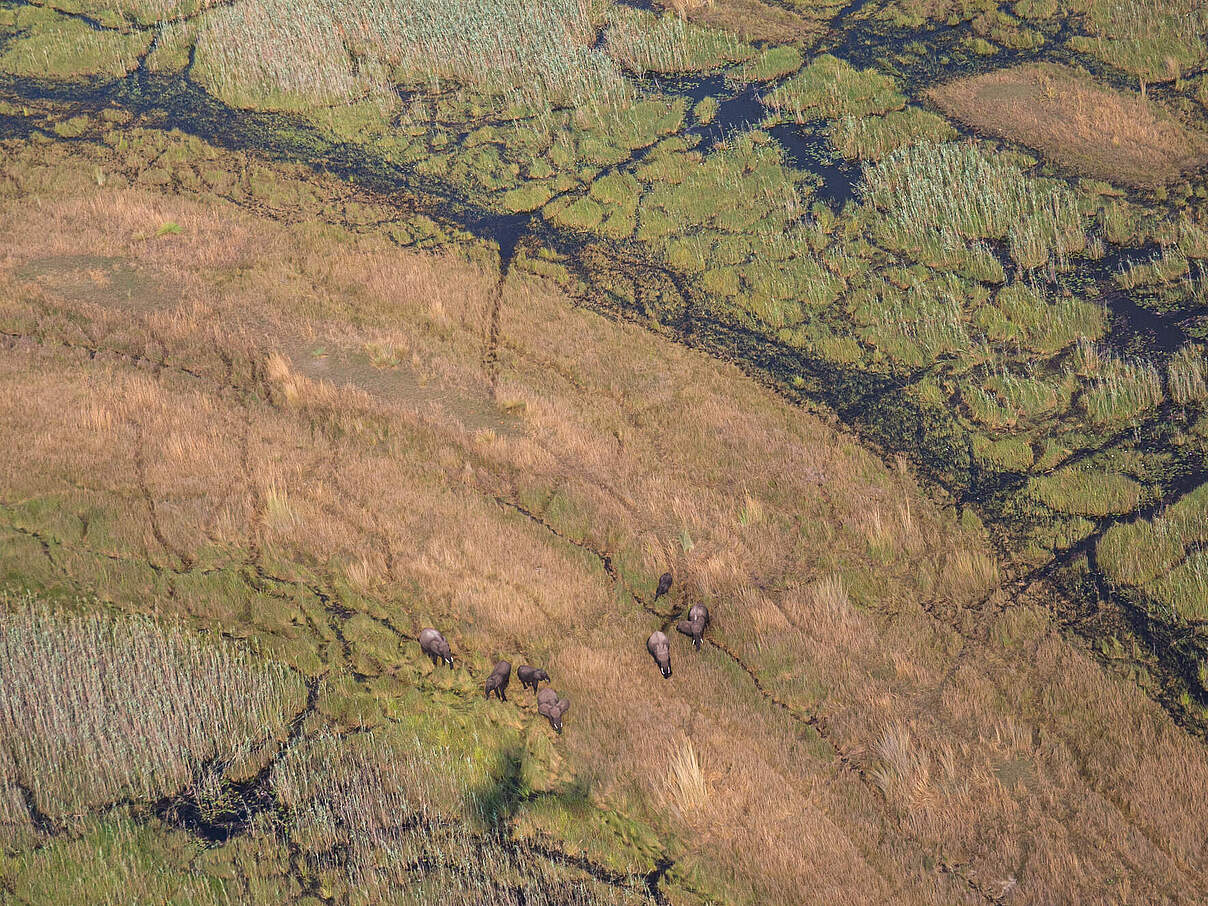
[884,324]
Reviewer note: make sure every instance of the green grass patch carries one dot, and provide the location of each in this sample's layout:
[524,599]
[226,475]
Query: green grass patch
[113,862]
[872,137]
[1086,492]
[773,63]
[58,47]
[829,88]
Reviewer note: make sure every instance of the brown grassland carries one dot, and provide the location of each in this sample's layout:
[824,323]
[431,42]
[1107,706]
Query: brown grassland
[241,422]
[1078,122]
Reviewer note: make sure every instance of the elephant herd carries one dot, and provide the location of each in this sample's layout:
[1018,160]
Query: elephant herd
[549,704]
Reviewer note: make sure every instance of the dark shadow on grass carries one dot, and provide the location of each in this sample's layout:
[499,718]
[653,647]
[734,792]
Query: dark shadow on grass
[496,802]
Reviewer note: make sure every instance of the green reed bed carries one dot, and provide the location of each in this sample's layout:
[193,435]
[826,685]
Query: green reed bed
[115,861]
[643,42]
[830,87]
[1164,556]
[953,193]
[1024,316]
[531,53]
[95,708]
[872,137]
[1187,375]
[1120,389]
[1087,492]
[916,324]
[58,47]
[772,63]
[1154,40]
[1167,268]
[120,13]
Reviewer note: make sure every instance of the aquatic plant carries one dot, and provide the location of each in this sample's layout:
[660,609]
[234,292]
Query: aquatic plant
[1155,40]
[1163,557]
[830,87]
[953,192]
[96,707]
[1121,389]
[644,43]
[872,137]
[531,53]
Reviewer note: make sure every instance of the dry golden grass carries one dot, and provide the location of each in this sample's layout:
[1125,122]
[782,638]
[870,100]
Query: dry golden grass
[1078,122]
[956,732]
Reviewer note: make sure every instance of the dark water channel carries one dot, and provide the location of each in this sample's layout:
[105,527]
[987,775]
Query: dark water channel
[741,109]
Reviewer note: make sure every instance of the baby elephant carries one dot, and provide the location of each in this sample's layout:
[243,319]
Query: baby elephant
[552,707]
[665,581]
[694,626]
[433,644]
[531,676]
[660,650]
[497,682]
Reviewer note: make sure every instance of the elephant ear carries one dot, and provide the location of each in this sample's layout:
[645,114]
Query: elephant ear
[685,626]
[563,706]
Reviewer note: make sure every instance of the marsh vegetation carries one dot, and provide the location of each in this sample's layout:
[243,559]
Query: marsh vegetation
[322,328]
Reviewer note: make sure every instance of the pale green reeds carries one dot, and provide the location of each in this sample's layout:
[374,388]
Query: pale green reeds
[644,43]
[1155,40]
[533,53]
[1086,492]
[1164,556]
[117,861]
[830,88]
[919,325]
[1186,373]
[872,137]
[1023,314]
[68,48]
[96,708]
[1120,389]
[953,193]
[1169,267]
